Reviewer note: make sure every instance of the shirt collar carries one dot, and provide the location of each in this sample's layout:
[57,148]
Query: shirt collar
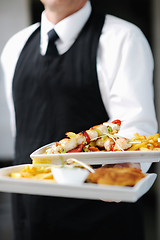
[67,29]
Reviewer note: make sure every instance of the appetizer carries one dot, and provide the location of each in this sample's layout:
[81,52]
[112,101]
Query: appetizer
[99,137]
[104,137]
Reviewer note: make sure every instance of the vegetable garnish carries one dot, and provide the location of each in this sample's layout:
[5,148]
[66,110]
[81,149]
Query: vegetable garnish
[87,137]
[78,149]
[117,121]
[109,129]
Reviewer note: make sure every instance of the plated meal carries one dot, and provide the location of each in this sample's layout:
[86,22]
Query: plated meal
[130,184]
[71,171]
[63,168]
[103,138]
[101,144]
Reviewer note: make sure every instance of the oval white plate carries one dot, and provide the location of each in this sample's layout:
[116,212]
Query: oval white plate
[96,157]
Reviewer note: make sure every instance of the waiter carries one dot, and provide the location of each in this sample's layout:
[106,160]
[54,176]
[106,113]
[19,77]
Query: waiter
[76,69]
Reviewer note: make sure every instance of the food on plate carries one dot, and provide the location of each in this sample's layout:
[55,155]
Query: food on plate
[98,138]
[104,137]
[36,173]
[70,173]
[142,143]
[123,176]
[46,172]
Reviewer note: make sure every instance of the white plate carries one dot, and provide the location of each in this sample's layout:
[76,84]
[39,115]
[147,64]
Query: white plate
[85,191]
[97,157]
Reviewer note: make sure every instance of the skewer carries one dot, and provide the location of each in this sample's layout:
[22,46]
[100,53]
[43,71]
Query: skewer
[81,163]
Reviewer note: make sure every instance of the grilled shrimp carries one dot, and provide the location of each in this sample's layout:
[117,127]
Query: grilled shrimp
[64,145]
[100,129]
[105,142]
[68,144]
[122,144]
[92,134]
[100,142]
[111,144]
[80,138]
[54,149]
[115,127]
[108,144]
[75,140]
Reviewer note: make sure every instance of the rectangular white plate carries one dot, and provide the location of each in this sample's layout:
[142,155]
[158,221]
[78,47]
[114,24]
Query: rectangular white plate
[97,157]
[85,191]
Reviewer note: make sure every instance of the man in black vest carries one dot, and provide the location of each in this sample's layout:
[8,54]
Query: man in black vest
[74,70]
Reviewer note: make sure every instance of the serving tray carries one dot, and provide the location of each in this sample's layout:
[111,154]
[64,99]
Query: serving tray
[85,190]
[96,157]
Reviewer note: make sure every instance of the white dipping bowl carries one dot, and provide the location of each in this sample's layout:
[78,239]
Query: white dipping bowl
[71,176]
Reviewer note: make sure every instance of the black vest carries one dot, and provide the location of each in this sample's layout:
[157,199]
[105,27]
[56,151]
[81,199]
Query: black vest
[53,96]
[56,95]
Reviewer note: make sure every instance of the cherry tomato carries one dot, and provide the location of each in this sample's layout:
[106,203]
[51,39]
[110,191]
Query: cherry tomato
[118,122]
[112,147]
[78,149]
[87,137]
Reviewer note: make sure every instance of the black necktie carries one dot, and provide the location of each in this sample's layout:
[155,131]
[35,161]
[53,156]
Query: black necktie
[52,50]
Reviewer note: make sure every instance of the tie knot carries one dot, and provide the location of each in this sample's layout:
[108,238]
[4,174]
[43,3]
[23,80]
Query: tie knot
[52,35]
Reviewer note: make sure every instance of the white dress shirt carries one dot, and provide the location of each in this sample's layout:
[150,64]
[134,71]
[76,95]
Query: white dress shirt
[124,67]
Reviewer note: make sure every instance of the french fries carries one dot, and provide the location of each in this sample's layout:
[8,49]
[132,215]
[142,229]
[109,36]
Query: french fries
[142,143]
[32,172]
